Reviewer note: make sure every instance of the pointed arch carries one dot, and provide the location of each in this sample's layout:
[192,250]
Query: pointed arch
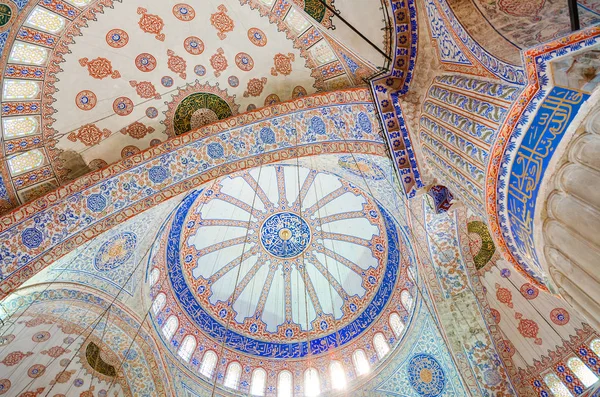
[258,382]
[170,327]
[381,346]
[312,383]
[209,361]
[187,348]
[284,384]
[232,375]
[396,324]
[338,375]
[361,363]
[159,303]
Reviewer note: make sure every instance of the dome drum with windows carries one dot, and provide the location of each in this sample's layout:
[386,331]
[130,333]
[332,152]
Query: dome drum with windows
[282,265]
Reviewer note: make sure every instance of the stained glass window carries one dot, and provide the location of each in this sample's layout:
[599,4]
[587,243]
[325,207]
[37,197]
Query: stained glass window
[296,21]
[322,52]
[396,324]
[21,89]
[44,19]
[284,384]
[159,303]
[209,361]
[381,346]
[338,376]
[13,127]
[170,327]
[154,276]
[556,386]
[312,384]
[585,375]
[267,2]
[28,53]
[361,364]
[24,162]
[79,3]
[232,376]
[257,385]
[595,345]
[187,348]
[406,299]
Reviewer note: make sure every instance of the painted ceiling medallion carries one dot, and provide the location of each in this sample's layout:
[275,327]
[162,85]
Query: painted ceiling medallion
[257,37]
[305,269]
[151,23]
[8,13]
[193,45]
[86,100]
[283,64]
[244,61]
[176,64]
[184,12]
[99,68]
[196,105]
[218,62]
[222,22]
[145,62]
[117,38]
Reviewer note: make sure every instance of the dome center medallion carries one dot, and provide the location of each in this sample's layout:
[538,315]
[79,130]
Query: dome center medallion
[285,235]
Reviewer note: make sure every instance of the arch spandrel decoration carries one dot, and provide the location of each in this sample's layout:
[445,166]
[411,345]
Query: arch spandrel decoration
[97,201]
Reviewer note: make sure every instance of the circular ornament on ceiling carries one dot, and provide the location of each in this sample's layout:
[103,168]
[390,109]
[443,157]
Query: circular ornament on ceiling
[145,62]
[115,251]
[123,106]
[117,38]
[257,37]
[426,375]
[184,12]
[151,112]
[166,81]
[8,12]
[560,316]
[272,99]
[129,151]
[197,105]
[282,249]
[193,45]
[299,92]
[233,81]
[244,61]
[200,70]
[86,100]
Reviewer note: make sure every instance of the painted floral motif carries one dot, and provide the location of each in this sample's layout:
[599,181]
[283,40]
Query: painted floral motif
[184,12]
[86,100]
[99,68]
[129,151]
[559,316]
[283,64]
[193,45]
[151,112]
[529,291]
[117,38]
[504,295]
[63,376]
[89,135]
[151,23]
[272,99]
[528,328]
[97,164]
[41,336]
[145,62]
[218,62]
[222,22]
[520,8]
[55,351]
[233,81]
[137,130]
[200,70]
[37,370]
[166,81]
[15,358]
[122,106]
[244,61]
[176,63]
[298,92]
[4,386]
[255,87]
[145,89]
[257,37]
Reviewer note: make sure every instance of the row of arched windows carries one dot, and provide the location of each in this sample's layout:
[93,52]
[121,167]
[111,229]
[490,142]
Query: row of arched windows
[584,374]
[312,381]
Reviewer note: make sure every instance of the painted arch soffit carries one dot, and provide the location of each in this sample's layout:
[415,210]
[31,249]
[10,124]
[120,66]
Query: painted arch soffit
[48,228]
[124,75]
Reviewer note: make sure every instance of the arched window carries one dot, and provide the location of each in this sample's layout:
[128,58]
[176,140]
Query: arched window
[154,276]
[595,345]
[381,346]
[45,20]
[187,348]
[232,376]
[585,375]
[396,324]
[257,385]
[361,364]
[406,299]
[312,384]
[209,361]
[79,3]
[284,384]
[21,89]
[24,162]
[557,388]
[159,303]
[170,327]
[28,53]
[338,376]
[13,127]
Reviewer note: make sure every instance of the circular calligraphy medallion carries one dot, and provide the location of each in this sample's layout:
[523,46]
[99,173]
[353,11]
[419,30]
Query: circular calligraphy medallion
[285,235]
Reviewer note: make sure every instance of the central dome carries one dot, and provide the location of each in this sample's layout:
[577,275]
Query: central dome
[285,235]
[282,261]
